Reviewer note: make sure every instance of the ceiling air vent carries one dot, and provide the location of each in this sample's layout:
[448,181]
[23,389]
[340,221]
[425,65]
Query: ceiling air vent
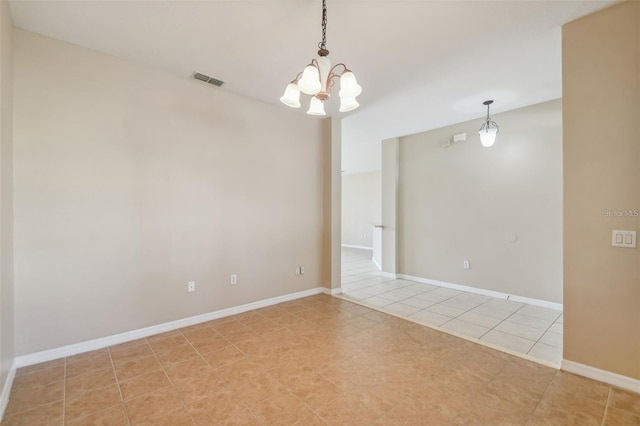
[207,79]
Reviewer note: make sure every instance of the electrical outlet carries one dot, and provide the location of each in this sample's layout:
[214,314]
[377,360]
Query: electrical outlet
[234,279]
[191,286]
[465,264]
[301,270]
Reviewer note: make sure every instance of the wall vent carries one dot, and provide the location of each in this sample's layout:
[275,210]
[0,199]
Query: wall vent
[207,79]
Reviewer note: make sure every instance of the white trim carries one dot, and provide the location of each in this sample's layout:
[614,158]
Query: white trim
[357,247]
[375,262]
[115,339]
[614,379]
[388,275]
[490,293]
[6,390]
[332,291]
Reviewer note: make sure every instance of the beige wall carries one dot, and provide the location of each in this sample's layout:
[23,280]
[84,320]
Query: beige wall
[129,183]
[467,202]
[601,87]
[389,176]
[361,204]
[331,203]
[6,191]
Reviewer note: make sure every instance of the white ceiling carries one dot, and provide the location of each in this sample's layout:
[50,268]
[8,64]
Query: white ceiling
[422,64]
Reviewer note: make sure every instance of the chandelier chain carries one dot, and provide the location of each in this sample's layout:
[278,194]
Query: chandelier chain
[323,44]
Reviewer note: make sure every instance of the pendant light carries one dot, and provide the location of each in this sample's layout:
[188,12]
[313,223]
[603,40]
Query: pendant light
[488,130]
[319,76]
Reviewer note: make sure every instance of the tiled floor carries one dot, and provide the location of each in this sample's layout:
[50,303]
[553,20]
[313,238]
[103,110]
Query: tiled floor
[517,327]
[314,361]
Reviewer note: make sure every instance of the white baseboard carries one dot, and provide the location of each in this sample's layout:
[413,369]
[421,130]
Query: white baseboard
[332,291]
[389,275]
[375,262]
[614,379]
[128,336]
[6,390]
[490,293]
[357,247]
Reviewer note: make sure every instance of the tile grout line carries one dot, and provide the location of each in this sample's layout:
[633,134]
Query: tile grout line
[64,391]
[184,406]
[115,374]
[606,406]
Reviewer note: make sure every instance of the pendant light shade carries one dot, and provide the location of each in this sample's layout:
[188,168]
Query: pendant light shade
[488,130]
[348,104]
[488,137]
[349,87]
[316,107]
[318,77]
[291,96]
[310,81]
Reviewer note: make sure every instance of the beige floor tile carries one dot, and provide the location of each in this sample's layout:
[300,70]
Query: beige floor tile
[255,388]
[625,400]
[224,356]
[114,416]
[78,385]
[143,384]
[281,409]
[175,417]
[169,356]
[32,396]
[567,409]
[187,370]
[91,402]
[327,361]
[153,405]
[137,367]
[572,384]
[98,361]
[194,389]
[40,377]
[242,418]
[167,342]
[44,415]
[122,354]
[41,366]
[615,417]
[213,409]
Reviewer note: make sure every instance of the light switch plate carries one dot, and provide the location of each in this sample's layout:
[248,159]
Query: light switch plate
[623,238]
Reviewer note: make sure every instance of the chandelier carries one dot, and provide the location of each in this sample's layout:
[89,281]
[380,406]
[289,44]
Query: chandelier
[488,130]
[318,78]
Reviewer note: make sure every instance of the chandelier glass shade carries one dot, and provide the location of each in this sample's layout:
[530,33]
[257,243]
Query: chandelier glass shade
[318,78]
[488,130]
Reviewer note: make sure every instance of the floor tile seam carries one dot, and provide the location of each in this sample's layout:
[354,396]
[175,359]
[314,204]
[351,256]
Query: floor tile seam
[544,394]
[498,324]
[184,405]
[516,335]
[531,316]
[19,413]
[113,366]
[478,325]
[83,417]
[492,299]
[456,317]
[121,403]
[542,335]
[606,406]
[64,389]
